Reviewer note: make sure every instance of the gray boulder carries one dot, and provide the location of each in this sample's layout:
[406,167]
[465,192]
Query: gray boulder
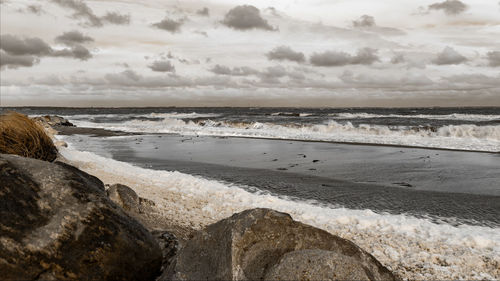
[56,223]
[317,265]
[252,245]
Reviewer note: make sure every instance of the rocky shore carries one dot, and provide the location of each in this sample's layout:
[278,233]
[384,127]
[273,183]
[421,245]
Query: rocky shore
[60,223]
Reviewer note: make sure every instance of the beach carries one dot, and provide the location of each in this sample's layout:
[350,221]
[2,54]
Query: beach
[424,212]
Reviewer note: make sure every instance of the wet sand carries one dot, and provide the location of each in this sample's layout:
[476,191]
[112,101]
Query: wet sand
[452,186]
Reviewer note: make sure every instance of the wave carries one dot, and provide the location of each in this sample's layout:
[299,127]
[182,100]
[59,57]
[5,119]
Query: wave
[461,137]
[415,248]
[454,116]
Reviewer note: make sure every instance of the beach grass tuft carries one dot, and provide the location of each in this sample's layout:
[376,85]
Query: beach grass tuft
[22,136]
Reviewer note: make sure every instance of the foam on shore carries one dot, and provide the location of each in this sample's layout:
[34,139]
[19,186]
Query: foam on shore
[413,248]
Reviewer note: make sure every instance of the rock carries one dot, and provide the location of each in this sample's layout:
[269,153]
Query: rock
[169,245]
[249,246]
[124,196]
[60,143]
[56,223]
[317,265]
[53,120]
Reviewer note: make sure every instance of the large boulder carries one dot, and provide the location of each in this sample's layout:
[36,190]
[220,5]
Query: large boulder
[56,223]
[53,120]
[261,243]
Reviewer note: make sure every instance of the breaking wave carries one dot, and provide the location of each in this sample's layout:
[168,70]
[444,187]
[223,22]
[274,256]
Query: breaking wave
[461,137]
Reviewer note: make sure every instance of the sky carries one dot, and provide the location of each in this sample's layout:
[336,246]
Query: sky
[314,53]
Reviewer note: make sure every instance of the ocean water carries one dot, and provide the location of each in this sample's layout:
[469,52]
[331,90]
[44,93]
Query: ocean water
[419,231]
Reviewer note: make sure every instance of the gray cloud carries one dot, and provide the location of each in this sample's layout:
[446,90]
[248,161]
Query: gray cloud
[162,66]
[331,58]
[203,12]
[130,78]
[28,51]
[285,53]
[76,51]
[73,37]
[246,17]
[398,58]
[494,58]
[34,9]
[235,71]
[116,18]
[28,46]
[450,7]
[169,25]
[364,21]
[449,56]
[7,60]
[82,11]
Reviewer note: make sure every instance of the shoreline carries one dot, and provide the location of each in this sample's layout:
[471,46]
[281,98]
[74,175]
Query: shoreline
[100,132]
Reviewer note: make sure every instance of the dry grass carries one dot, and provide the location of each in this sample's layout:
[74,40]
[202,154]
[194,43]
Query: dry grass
[22,136]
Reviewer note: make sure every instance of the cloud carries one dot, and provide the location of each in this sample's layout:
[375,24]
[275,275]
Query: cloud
[449,56]
[235,71]
[450,7]
[364,21]
[82,11]
[203,12]
[285,53]
[116,18]
[28,46]
[494,58]
[169,25]
[246,17]
[76,51]
[365,56]
[398,58]
[130,78]
[73,37]
[28,51]
[162,66]
[11,61]
[34,9]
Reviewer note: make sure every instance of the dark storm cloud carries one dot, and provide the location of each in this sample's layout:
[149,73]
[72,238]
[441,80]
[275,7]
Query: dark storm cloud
[116,18]
[494,58]
[82,11]
[203,12]
[449,56]
[246,17]
[169,25]
[28,51]
[235,71]
[73,37]
[162,66]
[450,7]
[331,58]
[364,21]
[285,53]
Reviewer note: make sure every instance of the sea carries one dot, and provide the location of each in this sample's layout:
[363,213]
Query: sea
[421,183]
